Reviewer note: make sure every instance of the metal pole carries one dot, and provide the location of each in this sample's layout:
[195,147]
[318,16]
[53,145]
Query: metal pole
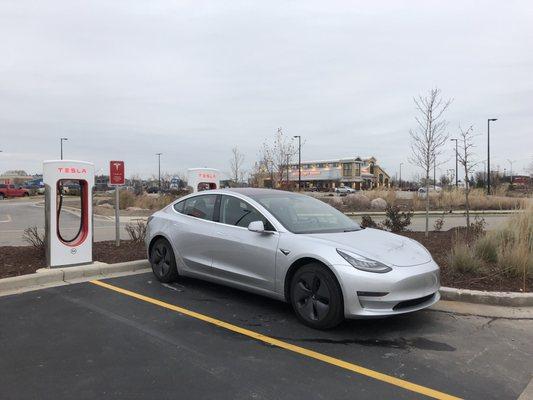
[159,168]
[456,165]
[488,153]
[401,176]
[488,156]
[61,142]
[511,172]
[299,161]
[117,216]
[288,169]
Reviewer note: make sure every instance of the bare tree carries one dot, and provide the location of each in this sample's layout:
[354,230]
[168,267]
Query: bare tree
[266,162]
[429,136]
[464,156]
[236,161]
[283,150]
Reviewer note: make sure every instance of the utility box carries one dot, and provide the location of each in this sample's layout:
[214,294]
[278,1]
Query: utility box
[72,245]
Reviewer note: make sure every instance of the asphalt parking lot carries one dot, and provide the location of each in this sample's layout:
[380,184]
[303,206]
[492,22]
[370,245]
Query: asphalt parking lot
[19,214]
[132,337]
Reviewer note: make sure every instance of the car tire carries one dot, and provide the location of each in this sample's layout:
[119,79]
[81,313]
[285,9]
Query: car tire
[2,197]
[316,297]
[163,261]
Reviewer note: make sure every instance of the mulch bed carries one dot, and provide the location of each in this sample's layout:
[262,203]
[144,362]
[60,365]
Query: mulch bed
[17,260]
[20,260]
[439,245]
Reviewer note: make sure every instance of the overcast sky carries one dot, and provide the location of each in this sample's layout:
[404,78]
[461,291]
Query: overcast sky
[191,79]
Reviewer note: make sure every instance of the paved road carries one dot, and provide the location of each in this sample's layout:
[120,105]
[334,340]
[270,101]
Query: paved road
[86,341]
[17,215]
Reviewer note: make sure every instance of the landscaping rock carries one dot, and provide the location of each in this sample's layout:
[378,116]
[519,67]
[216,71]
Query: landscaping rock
[378,204]
[106,205]
[357,202]
[135,209]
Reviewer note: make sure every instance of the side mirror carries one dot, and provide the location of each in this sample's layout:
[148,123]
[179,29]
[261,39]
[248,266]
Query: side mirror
[256,226]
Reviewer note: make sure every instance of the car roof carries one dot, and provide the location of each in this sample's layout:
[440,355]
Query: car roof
[252,192]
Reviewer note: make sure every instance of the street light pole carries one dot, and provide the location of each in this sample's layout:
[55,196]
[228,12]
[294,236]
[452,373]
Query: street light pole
[159,168]
[488,152]
[400,183]
[61,143]
[299,161]
[456,169]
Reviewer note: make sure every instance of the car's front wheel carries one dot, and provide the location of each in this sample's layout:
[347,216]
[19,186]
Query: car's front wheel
[163,261]
[316,297]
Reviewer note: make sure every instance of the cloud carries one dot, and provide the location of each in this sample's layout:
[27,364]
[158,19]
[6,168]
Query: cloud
[124,80]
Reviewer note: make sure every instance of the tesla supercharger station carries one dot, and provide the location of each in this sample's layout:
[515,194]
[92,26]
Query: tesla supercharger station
[68,248]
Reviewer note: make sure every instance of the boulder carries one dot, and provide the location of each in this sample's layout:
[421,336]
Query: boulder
[357,202]
[378,204]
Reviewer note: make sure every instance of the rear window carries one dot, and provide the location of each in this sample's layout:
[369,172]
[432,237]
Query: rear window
[202,207]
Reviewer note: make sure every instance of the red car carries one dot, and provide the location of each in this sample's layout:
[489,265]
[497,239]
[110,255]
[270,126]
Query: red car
[12,191]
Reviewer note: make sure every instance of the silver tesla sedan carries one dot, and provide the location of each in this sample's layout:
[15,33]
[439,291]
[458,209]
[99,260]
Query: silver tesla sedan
[294,248]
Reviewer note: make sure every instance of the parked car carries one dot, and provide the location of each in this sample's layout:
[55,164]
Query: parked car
[12,191]
[294,248]
[344,190]
[422,191]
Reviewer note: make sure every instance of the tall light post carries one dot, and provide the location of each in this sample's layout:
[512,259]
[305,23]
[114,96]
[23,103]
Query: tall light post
[400,183]
[159,168]
[61,143]
[488,152]
[456,169]
[299,161]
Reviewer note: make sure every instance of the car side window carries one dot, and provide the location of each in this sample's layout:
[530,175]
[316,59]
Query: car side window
[234,211]
[179,206]
[202,207]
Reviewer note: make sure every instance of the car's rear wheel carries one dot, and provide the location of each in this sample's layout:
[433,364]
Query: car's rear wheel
[163,261]
[316,297]
[2,196]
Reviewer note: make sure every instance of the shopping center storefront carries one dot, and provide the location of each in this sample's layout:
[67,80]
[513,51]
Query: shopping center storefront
[356,173]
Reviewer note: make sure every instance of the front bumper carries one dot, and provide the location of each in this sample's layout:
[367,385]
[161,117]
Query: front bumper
[402,290]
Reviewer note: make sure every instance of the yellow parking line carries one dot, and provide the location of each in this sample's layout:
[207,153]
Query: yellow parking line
[287,346]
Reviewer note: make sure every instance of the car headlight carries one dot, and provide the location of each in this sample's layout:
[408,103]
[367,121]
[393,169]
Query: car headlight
[363,263]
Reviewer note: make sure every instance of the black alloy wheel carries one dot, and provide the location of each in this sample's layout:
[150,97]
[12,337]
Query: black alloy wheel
[163,261]
[316,297]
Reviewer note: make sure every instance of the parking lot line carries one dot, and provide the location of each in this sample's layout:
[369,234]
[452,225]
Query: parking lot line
[413,387]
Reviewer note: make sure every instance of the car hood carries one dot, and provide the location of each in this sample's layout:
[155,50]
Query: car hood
[379,245]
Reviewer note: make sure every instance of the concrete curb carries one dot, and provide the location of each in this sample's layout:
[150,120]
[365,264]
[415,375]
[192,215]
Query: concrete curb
[59,276]
[507,299]
[437,213]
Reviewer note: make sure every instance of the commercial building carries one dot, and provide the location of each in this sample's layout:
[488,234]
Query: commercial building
[357,173]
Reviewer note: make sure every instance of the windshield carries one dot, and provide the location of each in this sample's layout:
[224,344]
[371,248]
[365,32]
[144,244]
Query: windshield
[303,214]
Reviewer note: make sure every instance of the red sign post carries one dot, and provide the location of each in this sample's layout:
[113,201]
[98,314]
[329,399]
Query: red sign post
[117,176]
